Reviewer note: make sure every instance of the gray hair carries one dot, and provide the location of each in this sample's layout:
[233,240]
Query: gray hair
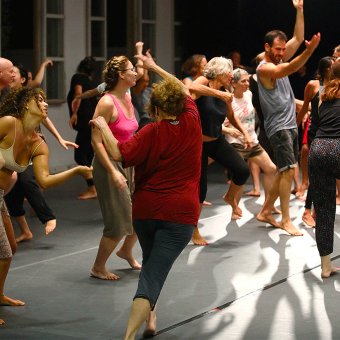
[238,73]
[216,66]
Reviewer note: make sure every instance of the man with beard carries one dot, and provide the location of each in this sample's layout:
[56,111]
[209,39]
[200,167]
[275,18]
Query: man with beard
[278,106]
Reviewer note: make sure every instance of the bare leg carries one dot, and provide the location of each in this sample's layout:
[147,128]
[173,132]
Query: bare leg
[326,267]
[285,186]
[150,328]
[230,198]
[338,192]
[196,237]
[304,161]
[307,218]
[5,264]
[255,175]
[106,247]
[125,251]
[89,193]
[139,313]
[237,198]
[296,178]
[26,234]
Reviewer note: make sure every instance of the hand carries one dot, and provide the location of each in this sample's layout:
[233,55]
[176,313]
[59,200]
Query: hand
[98,122]
[48,62]
[313,43]
[226,97]
[148,62]
[248,142]
[298,4]
[2,161]
[85,171]
[75,105]
[65,144]
[119,180]
[73,120]
[234,132]
[139,47]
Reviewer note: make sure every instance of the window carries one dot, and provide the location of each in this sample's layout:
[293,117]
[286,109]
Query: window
[52,47]
[96,35]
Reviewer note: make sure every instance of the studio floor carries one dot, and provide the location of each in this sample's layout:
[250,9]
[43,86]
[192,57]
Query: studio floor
[251,282]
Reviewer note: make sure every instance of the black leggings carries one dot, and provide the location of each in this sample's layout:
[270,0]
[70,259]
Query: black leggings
[27,186]
[223,153]
[84,154]
[161,242]
[323,170]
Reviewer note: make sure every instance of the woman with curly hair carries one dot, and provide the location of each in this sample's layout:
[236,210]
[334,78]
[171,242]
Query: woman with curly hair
[324,169]
[83,155]
[114,184]
[167,156]
[21,112]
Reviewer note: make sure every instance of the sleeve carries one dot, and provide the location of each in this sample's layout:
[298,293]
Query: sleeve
[137,149]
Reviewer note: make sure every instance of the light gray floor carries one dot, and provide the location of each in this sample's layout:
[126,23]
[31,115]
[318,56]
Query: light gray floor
[251,282]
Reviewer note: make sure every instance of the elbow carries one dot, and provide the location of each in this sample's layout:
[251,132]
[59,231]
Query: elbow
[44,185]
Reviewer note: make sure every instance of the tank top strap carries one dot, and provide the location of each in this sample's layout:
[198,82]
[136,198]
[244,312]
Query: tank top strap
[119,109]
[42,141]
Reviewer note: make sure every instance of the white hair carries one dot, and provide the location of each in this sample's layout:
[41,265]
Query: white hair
[238,73]
[216,66]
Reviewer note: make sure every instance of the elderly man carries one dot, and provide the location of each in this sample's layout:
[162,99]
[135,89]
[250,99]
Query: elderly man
[278,106]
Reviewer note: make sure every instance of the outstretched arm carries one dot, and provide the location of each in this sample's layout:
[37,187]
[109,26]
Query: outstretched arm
[139,65]
[40,75]
[77,99]
[299,32]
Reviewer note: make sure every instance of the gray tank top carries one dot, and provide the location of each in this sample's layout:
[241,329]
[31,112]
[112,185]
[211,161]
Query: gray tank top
[278,105]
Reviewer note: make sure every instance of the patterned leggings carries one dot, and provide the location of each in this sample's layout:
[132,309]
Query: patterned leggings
[5,248]
[323,170]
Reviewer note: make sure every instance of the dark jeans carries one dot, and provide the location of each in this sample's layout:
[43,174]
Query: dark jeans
[161,242]
[27,186]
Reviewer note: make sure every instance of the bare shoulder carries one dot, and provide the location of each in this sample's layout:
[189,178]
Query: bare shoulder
[7,121]
[105,107]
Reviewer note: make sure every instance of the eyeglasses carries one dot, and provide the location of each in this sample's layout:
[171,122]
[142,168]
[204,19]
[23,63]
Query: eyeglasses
[130,68]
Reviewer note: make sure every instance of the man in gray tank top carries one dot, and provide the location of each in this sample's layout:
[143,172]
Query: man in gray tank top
[278,106]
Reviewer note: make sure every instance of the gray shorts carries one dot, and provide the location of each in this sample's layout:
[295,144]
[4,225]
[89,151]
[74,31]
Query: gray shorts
[285,145]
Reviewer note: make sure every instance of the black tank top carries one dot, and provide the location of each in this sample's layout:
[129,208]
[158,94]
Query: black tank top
[329,125]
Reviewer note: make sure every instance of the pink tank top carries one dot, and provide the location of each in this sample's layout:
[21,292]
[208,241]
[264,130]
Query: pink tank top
[123,128]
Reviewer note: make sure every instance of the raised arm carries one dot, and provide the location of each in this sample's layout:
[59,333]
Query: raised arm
[149,64]
[40,75]
[299,32]
[50,127]
[139,65]
[43,176]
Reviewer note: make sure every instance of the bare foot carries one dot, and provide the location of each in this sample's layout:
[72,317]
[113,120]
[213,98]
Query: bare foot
[338,201]
[327,272]
[302,198]
[290,229]
[2,322]
[206,203]
[150,328]
[6,301]
[128,257]
[300,192]
[294,191]
[90,193]
[276,210]
[236,209]
[198,239]
[308,219]
[50,226]
[24,237]
[235,216]
[267,218]
[103,274]
[253,192]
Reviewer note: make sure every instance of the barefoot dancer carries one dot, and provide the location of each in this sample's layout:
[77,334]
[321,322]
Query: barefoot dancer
[278,106]
[214,105]
[167,157]
[115,185]
[21,112]
[324,169]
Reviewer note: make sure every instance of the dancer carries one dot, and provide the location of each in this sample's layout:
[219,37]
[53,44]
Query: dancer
[165,209]
[79,121]
[21,112]
[312,94]
[113,194]
[214,104]
[324,169]
[278,107]
[244,110]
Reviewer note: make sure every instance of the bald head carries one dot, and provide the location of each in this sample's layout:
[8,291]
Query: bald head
[6,73]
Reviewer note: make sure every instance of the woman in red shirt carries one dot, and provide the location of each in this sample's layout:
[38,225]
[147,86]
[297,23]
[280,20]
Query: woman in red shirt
[167,156]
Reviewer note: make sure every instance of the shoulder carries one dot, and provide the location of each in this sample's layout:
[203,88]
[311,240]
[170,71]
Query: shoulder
[7,121]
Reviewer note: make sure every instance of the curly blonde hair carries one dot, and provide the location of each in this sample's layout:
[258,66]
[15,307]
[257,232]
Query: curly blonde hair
[169,96]
[111,71]
[16,101]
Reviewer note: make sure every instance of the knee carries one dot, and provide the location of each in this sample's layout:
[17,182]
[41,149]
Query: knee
[241,175]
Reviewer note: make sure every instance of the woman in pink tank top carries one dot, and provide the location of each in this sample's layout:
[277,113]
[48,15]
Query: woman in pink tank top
[114,184]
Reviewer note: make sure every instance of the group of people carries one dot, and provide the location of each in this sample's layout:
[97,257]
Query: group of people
[152,184]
